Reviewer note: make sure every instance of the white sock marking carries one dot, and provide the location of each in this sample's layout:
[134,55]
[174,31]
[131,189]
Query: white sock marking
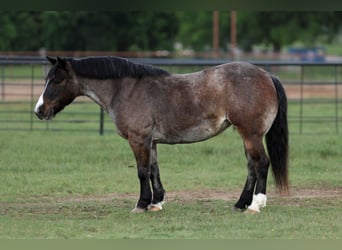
[258,202]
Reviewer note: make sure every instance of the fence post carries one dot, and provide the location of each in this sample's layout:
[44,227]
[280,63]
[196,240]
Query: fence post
[32,97]
[336,99]
[301,100]
[101,121]
[2,82]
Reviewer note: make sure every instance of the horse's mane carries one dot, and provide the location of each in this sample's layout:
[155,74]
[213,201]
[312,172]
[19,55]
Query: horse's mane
[112,67]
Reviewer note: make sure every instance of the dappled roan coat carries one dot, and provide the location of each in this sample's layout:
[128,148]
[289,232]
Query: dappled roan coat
[149,106]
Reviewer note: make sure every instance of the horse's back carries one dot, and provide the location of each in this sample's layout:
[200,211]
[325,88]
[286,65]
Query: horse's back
[197,106]
[241,92]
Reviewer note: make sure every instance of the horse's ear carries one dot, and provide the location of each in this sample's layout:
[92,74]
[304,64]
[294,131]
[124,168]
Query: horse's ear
[52,60]
[61,62]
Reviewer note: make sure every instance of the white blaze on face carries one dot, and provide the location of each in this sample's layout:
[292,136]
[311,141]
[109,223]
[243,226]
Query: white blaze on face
[40,101]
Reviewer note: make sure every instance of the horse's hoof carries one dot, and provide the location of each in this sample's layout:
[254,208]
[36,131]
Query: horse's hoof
[155,207]
[137,210]
[251,211]
[238,210]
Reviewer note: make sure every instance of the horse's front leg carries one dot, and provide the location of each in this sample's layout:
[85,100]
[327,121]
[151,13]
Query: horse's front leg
[142,151]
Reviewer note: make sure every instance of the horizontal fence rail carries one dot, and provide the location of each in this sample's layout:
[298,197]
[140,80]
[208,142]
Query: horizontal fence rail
[314,92]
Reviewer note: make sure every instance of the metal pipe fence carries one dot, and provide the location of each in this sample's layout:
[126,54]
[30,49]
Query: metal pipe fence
[314,92]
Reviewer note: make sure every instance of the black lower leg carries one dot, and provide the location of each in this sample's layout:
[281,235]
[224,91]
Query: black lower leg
[145,189]
[247,193]
[158,190]
[261,173]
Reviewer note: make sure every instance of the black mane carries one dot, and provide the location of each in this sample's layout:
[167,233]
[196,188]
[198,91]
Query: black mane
[112,67]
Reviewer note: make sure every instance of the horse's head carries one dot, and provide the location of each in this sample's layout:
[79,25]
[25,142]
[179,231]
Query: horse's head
[60,89]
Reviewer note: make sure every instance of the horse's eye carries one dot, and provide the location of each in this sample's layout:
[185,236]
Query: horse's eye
[57,79]
[53,79]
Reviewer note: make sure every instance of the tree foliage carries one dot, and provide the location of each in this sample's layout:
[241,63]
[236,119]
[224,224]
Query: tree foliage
[283,28]
[67,30]
[143,30]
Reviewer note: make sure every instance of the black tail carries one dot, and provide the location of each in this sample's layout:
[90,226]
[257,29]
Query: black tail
[277,140]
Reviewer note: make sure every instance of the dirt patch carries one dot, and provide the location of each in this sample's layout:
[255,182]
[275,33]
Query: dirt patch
[93,206]
[312,91]
[225,195]
[228,195]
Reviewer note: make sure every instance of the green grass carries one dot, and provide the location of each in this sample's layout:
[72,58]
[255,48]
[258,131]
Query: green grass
[63,162]
[44,174]
[195,219]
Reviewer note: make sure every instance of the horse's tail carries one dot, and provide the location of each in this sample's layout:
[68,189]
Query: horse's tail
[277,140]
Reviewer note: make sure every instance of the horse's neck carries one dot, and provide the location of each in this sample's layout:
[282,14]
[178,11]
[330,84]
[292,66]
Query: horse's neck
[107,92]
[100,91]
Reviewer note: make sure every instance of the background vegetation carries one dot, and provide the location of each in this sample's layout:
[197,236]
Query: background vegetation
[130,31]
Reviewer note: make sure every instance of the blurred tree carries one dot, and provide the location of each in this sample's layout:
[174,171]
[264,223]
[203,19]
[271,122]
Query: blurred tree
[7,31]
[282,28]
[20,30]
[119,31]
[196,29]
[147,30]
[80,30]
[151,30]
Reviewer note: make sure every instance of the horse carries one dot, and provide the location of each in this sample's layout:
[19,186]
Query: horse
[151,106]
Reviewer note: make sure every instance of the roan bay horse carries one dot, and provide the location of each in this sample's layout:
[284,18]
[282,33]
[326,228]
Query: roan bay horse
[149,106]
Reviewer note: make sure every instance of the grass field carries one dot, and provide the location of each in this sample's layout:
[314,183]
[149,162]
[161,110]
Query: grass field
[81,185]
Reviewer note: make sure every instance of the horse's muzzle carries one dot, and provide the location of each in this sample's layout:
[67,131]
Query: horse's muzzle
[39,114]
[44,115]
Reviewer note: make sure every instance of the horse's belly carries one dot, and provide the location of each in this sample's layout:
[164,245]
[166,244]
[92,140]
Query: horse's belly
[192,134]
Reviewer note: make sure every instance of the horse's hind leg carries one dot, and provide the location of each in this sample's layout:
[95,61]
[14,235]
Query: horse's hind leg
[258,164]
[247,193]
[157,187]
